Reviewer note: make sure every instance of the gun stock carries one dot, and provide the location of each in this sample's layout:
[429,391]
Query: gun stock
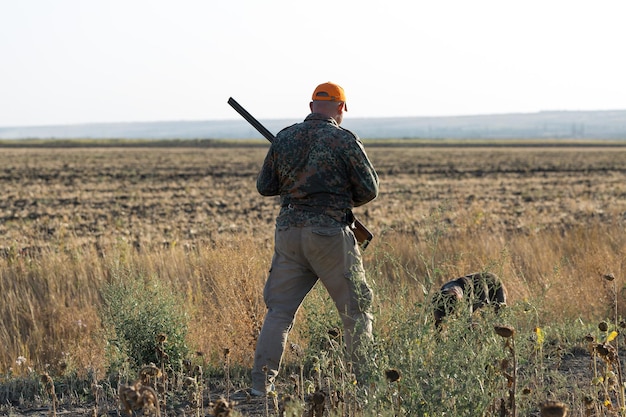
[361,233]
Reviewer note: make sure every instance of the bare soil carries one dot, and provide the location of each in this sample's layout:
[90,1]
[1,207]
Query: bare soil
[193,195]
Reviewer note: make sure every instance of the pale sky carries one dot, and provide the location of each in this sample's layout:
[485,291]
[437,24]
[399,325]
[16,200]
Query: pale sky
[86,61]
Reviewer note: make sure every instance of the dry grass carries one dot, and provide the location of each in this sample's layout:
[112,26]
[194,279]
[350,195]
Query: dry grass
[549,221]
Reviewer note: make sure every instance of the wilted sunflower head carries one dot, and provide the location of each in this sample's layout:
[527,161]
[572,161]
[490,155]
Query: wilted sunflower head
[609,276]
[149,371]
[190,382]
[504,330]
[606,351]
[46,378]
[392,375]
[222,408]
[554,409]
[334,333]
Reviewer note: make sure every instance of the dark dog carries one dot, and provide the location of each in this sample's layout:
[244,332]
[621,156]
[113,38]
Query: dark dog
[477,290]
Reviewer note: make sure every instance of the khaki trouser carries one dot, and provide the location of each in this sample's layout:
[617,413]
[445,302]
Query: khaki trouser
[301,256]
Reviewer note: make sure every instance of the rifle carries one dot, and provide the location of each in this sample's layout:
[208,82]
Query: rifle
[361,233]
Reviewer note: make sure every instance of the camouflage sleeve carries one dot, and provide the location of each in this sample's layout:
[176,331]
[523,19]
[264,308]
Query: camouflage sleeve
[363,176]
[267,181]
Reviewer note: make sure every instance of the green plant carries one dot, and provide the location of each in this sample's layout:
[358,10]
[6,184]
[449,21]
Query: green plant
[144,321]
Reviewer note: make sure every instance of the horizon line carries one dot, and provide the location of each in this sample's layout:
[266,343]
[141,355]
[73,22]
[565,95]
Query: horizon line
[235,119]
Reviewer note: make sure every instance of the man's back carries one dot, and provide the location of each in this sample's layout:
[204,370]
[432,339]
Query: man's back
[316,163]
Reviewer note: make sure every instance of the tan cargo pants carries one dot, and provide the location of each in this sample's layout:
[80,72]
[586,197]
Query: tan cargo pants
[302,255]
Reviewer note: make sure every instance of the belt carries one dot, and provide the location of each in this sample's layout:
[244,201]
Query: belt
[342,216]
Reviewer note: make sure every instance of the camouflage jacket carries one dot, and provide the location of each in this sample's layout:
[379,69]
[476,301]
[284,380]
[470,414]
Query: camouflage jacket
[320,171]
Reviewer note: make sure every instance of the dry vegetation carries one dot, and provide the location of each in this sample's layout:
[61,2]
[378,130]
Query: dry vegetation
[548,220]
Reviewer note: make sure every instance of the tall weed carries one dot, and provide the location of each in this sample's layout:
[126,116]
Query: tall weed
[145,321]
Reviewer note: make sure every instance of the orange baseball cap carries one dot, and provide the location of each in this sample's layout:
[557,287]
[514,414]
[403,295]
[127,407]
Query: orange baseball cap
[329,92]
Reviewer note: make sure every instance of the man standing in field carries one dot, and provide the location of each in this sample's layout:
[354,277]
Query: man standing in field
[320,171]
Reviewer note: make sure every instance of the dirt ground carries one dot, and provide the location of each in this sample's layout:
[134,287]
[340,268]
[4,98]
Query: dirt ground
[190,196]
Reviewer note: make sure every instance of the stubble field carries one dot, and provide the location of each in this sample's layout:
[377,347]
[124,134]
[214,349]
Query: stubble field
[193,195]
[548,219]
